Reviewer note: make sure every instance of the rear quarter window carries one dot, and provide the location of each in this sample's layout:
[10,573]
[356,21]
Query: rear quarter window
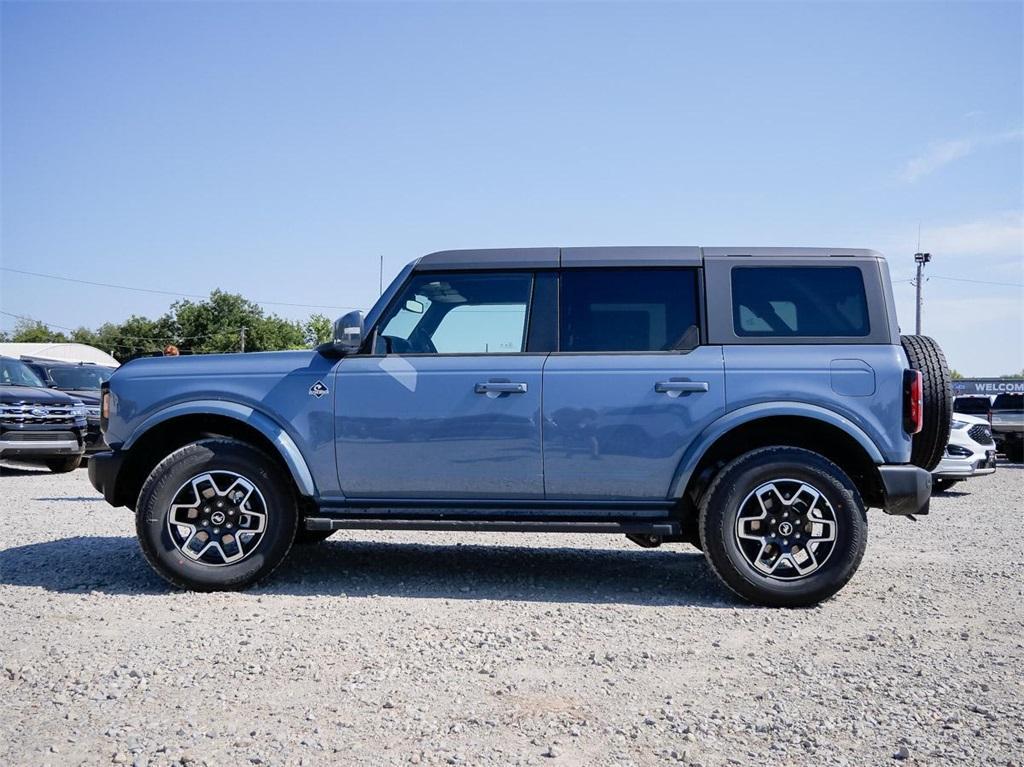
[797,301]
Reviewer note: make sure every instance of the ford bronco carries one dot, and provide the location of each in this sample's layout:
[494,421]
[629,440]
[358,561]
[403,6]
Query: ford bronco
[753,402]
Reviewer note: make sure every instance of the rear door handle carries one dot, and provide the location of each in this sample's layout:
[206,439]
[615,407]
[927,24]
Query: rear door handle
[500,387]
[675,388]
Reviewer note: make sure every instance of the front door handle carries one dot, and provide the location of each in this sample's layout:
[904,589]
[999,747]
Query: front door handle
[675,388]
[500,387]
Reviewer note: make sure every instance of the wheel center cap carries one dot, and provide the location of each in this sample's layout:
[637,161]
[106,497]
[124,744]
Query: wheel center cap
[217,517]
[785,528]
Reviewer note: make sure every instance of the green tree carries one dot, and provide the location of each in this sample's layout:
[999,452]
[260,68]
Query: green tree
[955,374]
[318,330]
[135,335]
[215,325]
[33,331]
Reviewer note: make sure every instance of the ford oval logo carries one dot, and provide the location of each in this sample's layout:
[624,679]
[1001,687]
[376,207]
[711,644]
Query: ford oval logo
[39,411]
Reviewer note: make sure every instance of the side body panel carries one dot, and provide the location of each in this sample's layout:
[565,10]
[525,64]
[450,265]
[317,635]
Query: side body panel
[416,427]
[270,391]
[863,384]
[609,433]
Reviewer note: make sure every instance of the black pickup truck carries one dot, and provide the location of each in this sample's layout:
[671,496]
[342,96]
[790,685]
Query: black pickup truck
[38,425]
[1007,419]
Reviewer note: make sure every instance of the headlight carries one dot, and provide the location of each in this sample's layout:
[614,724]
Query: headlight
[78,410]
[93,411]
[960,424]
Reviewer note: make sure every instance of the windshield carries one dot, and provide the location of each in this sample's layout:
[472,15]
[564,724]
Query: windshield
[79,377]
[15,373]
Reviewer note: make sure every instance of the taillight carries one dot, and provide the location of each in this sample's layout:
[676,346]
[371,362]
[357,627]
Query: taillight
[104,405]
[913,401]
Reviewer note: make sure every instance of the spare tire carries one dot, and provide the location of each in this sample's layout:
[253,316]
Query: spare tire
[929,444]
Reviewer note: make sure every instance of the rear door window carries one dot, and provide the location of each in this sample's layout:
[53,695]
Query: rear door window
[796,301]
[628,310]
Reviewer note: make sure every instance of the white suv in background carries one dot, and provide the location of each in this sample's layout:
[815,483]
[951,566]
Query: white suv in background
[971,452]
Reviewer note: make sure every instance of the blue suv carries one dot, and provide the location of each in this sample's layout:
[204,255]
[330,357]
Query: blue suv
[752,402]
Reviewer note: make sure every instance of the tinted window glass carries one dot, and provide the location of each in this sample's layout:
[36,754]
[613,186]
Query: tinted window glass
[799,301]
[628,310]
[482,313]
[80,377]
[1009,402]
[17,373]
[972,405]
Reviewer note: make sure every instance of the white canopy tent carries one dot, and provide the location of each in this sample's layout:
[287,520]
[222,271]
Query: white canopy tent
[57,351]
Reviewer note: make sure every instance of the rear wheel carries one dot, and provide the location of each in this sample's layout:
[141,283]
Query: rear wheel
[783,527]
[63,465]
[216,515]
[926,356]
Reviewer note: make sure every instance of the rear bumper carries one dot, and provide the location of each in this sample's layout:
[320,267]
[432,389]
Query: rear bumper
[908,489]
[103,470]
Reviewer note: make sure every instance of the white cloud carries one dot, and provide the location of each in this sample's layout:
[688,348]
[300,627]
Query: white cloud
[997,235]
[941,153]
[987,247]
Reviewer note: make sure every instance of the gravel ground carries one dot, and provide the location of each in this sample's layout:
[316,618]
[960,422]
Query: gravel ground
[476,649]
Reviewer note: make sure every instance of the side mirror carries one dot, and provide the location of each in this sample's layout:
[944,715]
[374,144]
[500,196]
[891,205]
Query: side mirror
[348,332]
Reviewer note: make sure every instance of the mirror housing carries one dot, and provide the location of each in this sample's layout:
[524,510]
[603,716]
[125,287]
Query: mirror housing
[348,333]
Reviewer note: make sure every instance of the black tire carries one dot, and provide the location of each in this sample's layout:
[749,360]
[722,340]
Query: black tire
[1015,452]
[942,484]
[168,480]
[928,445]
[305,537]
[736,482]
[63,465]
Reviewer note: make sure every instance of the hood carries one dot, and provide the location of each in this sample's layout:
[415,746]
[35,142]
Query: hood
[970,419]
[255,363]
[27,395]
[88,396]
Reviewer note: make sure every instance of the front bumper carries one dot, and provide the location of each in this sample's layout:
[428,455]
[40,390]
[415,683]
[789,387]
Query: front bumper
[39,448]
[951,467]
[908,489]
[94,437]
[103,470]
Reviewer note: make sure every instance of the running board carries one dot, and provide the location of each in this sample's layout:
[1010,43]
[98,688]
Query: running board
[495,526]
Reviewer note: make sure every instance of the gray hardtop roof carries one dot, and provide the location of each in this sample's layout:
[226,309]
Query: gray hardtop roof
[553,258]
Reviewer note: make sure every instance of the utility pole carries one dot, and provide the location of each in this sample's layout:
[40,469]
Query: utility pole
[921,259]
[243,337]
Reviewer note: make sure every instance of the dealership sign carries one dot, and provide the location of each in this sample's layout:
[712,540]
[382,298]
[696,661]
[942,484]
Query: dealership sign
[987,385]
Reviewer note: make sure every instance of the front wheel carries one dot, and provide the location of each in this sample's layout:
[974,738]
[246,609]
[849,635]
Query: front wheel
[63,465]
[783,527]
[216,515]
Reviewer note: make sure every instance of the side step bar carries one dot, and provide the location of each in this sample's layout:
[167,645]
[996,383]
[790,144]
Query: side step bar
[662,528]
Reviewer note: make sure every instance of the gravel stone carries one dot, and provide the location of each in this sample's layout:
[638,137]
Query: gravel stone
[380,648]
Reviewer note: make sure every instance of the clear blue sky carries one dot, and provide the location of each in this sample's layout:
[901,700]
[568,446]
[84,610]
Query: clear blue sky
[277,150]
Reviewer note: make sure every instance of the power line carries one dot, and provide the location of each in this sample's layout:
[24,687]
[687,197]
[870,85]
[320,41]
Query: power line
[155,290]
[979,282]
[911,280]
